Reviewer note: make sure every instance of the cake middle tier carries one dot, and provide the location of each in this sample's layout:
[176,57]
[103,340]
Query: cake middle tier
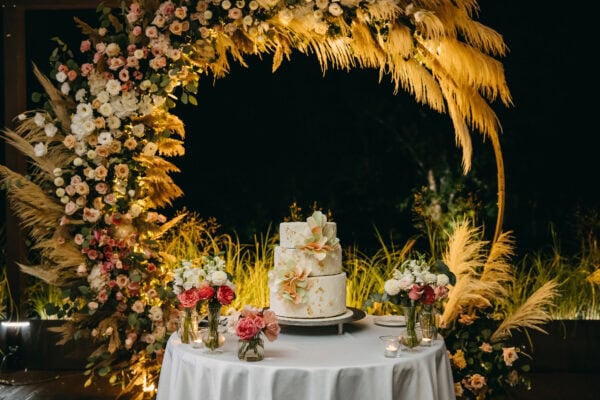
[325,298]
[330,265]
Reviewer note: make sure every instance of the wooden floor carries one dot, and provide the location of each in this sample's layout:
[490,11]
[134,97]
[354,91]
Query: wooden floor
[68,385]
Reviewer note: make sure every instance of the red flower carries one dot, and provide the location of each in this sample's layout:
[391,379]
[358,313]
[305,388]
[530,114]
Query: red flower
[428,295]
[189,298]
[225,295]
[206,292]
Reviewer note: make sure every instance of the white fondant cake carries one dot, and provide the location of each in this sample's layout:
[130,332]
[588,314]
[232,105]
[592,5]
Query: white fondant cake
[325,298]
[307,279]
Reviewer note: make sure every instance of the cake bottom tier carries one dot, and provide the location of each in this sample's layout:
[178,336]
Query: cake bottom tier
[326,298]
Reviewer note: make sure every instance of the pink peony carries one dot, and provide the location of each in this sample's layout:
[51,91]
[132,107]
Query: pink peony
[225,295]
[246,328]
[190,297]
[272,327]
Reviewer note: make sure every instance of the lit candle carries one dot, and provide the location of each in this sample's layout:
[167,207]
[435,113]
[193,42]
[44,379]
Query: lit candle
[391,345]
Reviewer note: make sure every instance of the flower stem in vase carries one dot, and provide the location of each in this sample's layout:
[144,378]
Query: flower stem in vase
[189,326]
[251,349]
[213,339]
[410,338]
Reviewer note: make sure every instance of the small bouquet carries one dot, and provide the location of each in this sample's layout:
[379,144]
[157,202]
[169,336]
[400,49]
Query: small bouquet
[250,325]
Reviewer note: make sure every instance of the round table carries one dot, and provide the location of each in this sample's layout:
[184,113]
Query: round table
[309,363]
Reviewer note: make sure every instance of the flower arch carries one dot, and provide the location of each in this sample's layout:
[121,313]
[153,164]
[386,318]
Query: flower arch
[99,148]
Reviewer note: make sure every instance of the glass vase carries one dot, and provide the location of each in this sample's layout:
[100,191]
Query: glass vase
[212,338]
[410,338]
[428,321]
[251,349]
[188,327]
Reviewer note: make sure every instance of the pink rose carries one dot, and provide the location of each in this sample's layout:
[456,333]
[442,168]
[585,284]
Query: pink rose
[272,327]
[415,293]
[441,292]
[225,295]
[189,298]
[206,292]
[246,328]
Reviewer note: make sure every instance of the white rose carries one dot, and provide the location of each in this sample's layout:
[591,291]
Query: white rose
[392,287]
[218,278]
[77,162]
[60,192]
[50,130]
[106,109]
[61,76]
[80,95]
[39,119]
[59,181]
[57,172]
[65,88]
[155,313]
[40,149]
[103,97]
[430,278]
[406,282]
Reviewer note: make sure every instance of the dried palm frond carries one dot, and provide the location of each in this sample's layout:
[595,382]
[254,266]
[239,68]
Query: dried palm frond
[171,147]
[497,270]
[59,102]
[464,253]
[161,120]
[533,313]
[37,211]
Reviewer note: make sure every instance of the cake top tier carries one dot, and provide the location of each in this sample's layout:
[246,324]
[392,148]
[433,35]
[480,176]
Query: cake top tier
[315,234]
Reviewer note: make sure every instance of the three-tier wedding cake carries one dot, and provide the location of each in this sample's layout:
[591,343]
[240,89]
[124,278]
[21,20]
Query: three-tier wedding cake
[307,280]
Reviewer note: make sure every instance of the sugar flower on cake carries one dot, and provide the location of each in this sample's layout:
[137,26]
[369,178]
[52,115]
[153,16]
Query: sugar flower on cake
[291,282]
[320,240]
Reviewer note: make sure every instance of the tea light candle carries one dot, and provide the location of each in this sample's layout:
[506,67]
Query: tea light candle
[426,342]
[391,345]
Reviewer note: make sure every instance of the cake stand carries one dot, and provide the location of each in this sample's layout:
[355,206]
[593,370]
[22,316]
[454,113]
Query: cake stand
[351,314]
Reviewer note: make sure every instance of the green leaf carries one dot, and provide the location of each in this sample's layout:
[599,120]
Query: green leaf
[525,368]
[104,371]
[193,100]
[36,97]
[84,289]
[184,98]
[132,320]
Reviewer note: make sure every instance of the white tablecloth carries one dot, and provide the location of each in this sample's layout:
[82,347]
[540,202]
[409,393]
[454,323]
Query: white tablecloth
[307,363]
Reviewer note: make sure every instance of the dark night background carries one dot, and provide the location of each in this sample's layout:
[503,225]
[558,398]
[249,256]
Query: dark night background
[259,141]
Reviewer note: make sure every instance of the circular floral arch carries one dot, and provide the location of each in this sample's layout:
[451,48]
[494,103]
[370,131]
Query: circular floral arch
[98,149]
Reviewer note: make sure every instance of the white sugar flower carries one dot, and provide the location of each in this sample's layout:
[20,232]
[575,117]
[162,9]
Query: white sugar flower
[50,130]
[40,149]
[39,119]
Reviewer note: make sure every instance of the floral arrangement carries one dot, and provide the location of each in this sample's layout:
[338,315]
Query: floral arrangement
[414,282]
[209,282]
[250,325]
[99,143]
